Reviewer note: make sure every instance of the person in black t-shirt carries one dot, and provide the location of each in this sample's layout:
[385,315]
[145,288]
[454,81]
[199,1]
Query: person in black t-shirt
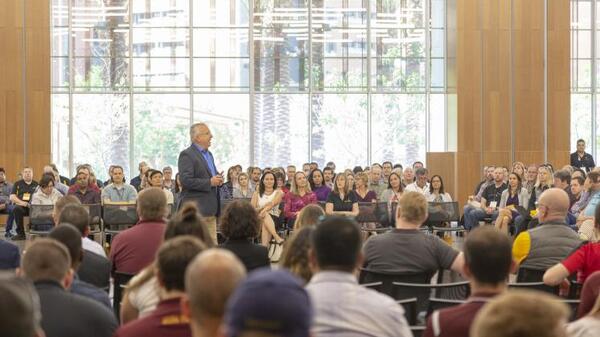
[341,201]
[21,196]
[490,198]
[581,159]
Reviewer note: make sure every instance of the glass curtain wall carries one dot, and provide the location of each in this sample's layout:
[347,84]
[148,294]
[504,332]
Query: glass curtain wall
[584,73]
[278,81]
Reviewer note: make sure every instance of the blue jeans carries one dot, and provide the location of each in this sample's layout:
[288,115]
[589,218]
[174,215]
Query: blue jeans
[11,219]
[475,215]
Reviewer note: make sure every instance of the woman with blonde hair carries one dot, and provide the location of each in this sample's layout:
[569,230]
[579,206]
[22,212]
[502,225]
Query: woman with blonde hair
[299,196]
[308,216]
[295,253]
[545,179]
[363,194]
[519,168]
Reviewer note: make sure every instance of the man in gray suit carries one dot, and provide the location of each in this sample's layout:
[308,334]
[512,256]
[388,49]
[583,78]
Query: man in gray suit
[199,177]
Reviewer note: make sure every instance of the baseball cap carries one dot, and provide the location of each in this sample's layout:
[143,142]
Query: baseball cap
[273,302]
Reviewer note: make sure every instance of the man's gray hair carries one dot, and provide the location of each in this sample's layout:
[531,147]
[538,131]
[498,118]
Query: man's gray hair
[194,129]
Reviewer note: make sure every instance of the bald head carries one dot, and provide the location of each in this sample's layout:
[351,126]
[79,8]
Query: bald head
[210,279]
[553,205]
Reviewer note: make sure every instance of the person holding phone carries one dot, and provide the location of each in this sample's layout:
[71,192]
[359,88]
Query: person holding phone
[200,180]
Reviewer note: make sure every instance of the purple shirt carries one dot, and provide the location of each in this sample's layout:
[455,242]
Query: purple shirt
[322,192]
[294,203]
[369,197]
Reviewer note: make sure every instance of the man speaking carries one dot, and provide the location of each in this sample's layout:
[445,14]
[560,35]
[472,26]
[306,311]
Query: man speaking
[200,180]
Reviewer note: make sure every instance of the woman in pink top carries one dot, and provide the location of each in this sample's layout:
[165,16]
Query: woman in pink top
[299,196]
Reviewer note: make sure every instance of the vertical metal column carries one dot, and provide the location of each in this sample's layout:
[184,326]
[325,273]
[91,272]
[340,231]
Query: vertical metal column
[427,16]
[132,168]
[251,90]
[594,80]
[310,80]
[545,81]
[70,66]
[369,98]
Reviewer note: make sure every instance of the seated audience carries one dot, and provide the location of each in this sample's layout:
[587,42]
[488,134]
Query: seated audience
[69,236]
[240,225]
[376,183]
[10,257]
[540,248]
[243,190]
[577,172]
[137,181]
[544,181]
[227,187]
[362,191]
[335,257]
[5,189]
[513,196]
[118,192]
[46,193]
[281,185]
[266,200]
[134,248]
[142,292]
[295,253]
[518,168]
[289,174]
[590,229]
[308,216]
[177,189]
[489,201]
[591,186]
[577,188]
[210,279]
[588,326]
[155,179]
[87,192]
[318,186]
[488,262]
[342,200]
[394,189]
[20,196]
[268,303]
[589,293]
[351,180]
[530,178]
[168,181]
[421,183]
[254,176]
[20,314]
[51,170]
[436,191]
[328,175]
[48,264]
[408,176]
[386,167]
[299,196]
[78,216]
[167,319]
[562,180]
[406,249]
[522,314]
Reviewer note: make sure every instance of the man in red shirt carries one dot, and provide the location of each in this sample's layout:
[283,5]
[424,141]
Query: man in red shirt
[585,261]
[167,319]
[488,261]
[135,248]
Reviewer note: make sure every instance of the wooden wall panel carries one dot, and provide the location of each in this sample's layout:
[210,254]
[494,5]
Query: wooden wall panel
[444,164]
[559,95]
[11,86]
[24,77]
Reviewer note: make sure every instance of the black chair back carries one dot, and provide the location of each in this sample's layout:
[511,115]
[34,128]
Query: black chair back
[423,291]
[530,275]
[410,309]
[115,215]
[539,286]
[373,212]
[387,280]
[439,212]
[40,219]
[573,305]
[120,282]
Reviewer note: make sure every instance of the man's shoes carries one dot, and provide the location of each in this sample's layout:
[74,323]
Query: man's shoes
[8,235]
[18,237]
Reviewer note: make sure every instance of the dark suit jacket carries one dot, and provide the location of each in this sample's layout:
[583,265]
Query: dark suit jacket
[69,315]
[253,256]
[587,161]
[195,182]
[10,258]
[95,270]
